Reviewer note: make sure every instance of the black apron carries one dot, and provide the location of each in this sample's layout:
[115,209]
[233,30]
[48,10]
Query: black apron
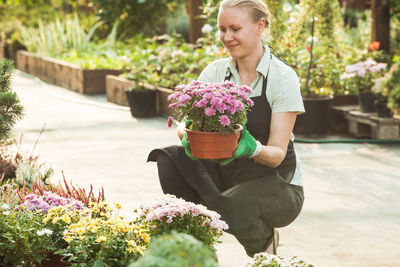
[252,198]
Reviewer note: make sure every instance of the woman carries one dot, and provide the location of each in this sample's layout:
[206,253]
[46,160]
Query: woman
[261,189]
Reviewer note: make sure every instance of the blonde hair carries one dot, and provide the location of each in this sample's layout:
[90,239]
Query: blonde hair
[258,9]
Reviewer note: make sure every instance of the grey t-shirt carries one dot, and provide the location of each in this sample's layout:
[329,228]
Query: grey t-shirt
[283,88]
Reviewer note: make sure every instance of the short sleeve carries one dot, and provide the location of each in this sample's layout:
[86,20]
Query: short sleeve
[209,74]
[286,95]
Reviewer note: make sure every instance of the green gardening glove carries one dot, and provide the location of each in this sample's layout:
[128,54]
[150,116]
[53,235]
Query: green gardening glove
[246,147]
[186,146]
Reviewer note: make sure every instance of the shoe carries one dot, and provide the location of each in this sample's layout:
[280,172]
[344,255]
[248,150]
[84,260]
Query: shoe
[272,248]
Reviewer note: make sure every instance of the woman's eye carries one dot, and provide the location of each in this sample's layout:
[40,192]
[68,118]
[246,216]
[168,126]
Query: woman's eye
[235,29]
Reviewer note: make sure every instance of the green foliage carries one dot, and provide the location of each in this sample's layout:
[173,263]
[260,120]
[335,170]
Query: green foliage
[20,242]
[10,109]
[321,75]
[172,62]
[389,86]
[178,250]
[68,40]
[58,37]
[136,16]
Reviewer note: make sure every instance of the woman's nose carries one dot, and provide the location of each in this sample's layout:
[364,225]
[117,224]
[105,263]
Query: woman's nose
[228,36]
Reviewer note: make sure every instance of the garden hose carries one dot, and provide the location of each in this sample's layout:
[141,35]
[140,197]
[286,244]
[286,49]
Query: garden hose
[346,141]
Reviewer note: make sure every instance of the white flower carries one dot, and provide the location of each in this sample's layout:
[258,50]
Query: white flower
[287,8]
[206,29]
[178,53]
[5,207]
[44,231]
[312,38]
[291,20]
[6,212]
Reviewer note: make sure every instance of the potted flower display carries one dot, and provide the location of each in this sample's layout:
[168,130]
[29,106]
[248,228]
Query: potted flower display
[215,113]
[363,75]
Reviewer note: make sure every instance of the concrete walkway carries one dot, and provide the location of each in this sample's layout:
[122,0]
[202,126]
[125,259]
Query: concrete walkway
[351,215]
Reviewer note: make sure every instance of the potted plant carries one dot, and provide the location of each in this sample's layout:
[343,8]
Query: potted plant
[363,75]
[170,214]
[141,98]
[387,90]
[311,48]
[215,113]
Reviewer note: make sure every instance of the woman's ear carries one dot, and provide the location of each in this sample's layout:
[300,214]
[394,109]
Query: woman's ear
[261,24]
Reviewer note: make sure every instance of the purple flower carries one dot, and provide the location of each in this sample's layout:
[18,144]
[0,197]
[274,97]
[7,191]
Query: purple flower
[209,112]
[224,120]
[47,201]
[170,120]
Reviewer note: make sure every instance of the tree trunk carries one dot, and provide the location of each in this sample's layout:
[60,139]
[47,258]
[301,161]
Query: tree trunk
[195,22]
[380,25]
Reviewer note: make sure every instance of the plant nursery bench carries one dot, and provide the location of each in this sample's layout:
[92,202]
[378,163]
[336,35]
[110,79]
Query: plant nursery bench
[369,124]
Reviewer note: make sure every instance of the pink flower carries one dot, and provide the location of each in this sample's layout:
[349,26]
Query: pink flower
[170,120]
[169,220]
[209,112]
[202,103]
[183,99]
[224,120]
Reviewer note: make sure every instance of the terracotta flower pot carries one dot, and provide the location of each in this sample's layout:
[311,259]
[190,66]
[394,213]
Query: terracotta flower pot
[213,145]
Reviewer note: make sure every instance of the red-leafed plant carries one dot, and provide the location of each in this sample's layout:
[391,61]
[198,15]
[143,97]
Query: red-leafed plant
[68,191]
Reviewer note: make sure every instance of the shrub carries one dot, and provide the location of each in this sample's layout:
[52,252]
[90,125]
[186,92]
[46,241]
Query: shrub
[178,250]
[10,109]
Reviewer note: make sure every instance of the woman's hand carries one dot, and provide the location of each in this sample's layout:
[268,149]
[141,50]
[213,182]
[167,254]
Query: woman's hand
[274,152]
[180,130]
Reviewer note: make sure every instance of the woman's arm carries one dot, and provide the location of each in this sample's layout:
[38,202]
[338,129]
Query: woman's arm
[274,152]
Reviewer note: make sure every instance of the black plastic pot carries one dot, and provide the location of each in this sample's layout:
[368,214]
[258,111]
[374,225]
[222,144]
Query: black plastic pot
[383,110]
[367,102]
[142,102]
[316,120]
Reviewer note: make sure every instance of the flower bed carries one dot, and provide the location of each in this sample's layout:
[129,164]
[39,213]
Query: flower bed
[61,73]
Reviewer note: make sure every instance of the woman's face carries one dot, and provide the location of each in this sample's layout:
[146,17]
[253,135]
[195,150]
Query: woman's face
[238,32]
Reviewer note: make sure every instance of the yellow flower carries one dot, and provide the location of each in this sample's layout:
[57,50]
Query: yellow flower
[101,238]
[118,206]
[66,219]
[68,238]
[146,237]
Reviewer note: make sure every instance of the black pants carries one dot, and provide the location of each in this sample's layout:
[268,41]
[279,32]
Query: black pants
[252,209]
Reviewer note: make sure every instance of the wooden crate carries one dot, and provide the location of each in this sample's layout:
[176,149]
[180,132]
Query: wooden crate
[61,73]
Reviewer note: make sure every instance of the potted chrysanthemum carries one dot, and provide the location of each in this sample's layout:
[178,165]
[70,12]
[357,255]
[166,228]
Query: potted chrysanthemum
[215,113]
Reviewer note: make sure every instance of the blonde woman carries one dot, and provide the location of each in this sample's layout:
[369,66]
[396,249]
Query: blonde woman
[260,187]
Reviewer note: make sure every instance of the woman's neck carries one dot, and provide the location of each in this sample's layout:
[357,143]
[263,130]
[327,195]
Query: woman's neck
[248,65]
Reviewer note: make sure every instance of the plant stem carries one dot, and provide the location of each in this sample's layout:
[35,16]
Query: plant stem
[311,58]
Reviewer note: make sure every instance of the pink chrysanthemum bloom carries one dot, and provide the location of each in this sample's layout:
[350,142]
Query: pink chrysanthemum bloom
[224,120]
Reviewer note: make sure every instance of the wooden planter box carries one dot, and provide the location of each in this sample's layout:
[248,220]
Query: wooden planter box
[116,86]
[64,74]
